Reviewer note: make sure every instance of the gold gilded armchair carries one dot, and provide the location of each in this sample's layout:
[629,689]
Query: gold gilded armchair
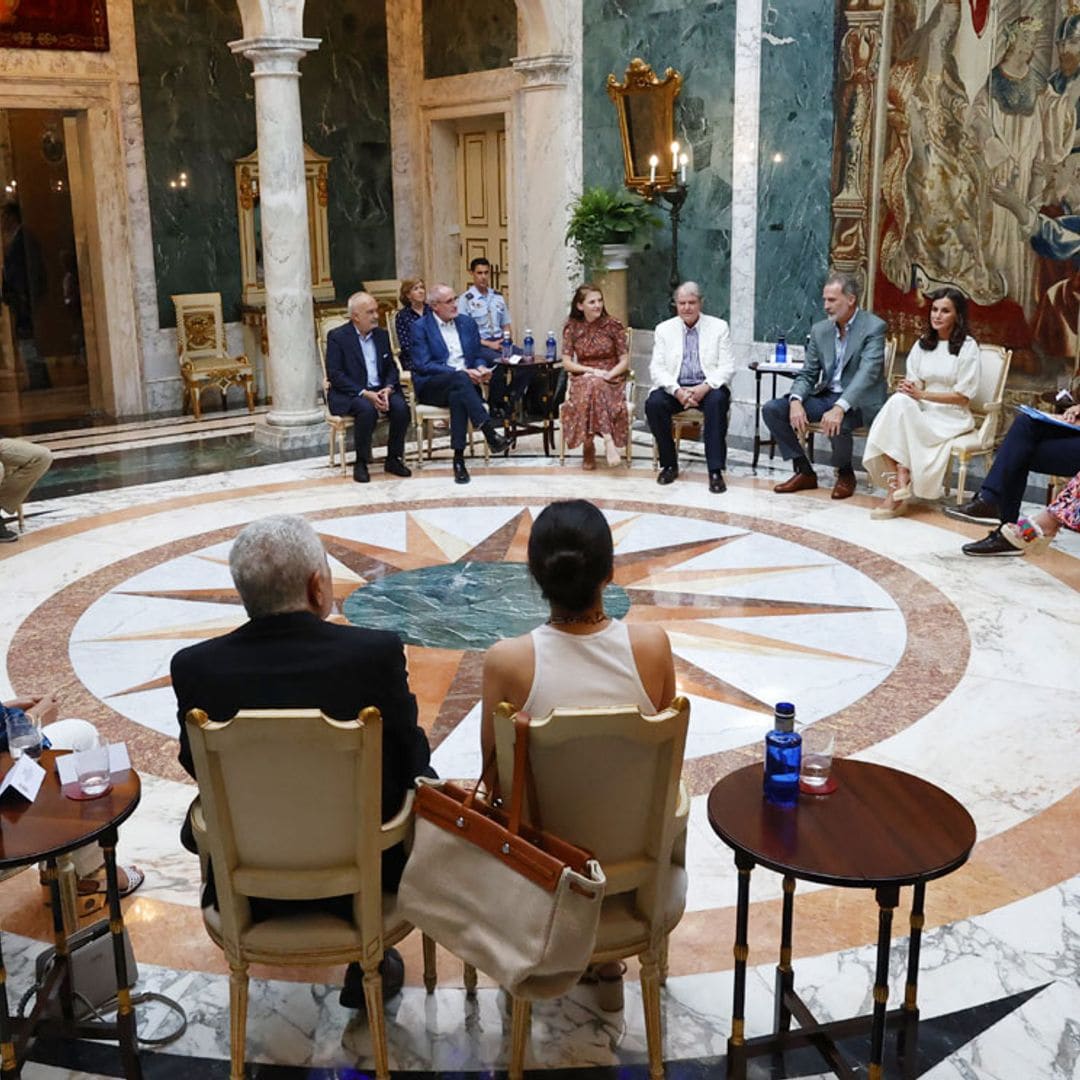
[200,347]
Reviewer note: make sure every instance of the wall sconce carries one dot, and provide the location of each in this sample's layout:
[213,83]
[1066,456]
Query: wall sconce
[58,186]
[653,161]
[179,183]
[11,187]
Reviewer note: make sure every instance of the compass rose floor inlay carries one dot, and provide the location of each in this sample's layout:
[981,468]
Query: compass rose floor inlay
[956,669]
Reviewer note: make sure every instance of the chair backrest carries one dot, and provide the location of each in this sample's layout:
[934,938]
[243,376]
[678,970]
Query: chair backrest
[391,330]
[889,365]
[200,328]
[641,346]
[292,804]
[607,779]
[323,325]
[994,362]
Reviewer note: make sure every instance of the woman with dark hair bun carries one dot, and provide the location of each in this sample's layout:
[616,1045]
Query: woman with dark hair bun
[907,447]
[580,656]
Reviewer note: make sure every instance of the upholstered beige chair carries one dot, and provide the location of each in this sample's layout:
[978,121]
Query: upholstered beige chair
[890,377]
[289,809]
[608,780]
[629,388]
[200,345]
[339,425]
[986,407]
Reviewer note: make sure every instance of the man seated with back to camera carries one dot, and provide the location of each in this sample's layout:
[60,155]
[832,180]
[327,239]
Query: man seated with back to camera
[287,656]
[449,370]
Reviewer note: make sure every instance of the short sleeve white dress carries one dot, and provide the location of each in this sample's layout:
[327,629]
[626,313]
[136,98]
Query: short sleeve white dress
[917,434]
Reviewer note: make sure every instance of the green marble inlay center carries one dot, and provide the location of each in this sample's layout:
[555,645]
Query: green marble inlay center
[459,606]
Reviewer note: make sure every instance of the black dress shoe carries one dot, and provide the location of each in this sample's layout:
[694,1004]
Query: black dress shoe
[667,474]
[7,536]
[360,472]
[397,467]
[498,443]
[716,483]
[461,474]
[392,970]
[994,544]
[978,511]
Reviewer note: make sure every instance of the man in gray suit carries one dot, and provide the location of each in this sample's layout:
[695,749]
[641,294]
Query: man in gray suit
[842,385]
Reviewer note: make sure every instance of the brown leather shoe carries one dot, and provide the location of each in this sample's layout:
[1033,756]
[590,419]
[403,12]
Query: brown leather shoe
[797,482]
[844,487]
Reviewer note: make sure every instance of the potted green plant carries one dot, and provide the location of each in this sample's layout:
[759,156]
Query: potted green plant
[601,218]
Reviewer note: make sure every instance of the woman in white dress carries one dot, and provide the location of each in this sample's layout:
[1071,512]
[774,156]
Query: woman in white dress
[907,448]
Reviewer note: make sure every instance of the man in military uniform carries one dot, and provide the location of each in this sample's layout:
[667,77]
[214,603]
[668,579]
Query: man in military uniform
[486,307]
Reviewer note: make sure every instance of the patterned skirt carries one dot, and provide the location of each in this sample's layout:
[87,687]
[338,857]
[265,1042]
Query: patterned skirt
[594,407]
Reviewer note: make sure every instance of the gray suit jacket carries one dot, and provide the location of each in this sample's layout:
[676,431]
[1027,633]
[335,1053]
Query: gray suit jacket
[863,376]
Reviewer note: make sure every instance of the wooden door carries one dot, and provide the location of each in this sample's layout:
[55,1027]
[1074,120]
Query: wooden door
[482,195]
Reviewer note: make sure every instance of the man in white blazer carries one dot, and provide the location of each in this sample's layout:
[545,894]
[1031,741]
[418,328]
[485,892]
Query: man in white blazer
[692,368]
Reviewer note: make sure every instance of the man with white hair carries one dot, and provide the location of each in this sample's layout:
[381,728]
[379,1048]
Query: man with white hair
[287,656]
[449,368]
[364,384]
[692,368]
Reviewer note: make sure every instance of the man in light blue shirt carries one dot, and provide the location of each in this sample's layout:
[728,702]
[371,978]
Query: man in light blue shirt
[486,307]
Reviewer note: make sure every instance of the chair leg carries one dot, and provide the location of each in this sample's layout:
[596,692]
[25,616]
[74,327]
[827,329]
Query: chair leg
[662,960]
[22,520]
[961,481]
[341,450]
[520,1023]
[650,1000]
[238,999]
[376,1021]
[469,975]
[196,401]
[562,441]
[249,390]
[431,975]
[332,448]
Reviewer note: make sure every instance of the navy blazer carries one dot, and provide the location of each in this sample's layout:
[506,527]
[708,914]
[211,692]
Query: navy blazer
[429,351]
[346,370]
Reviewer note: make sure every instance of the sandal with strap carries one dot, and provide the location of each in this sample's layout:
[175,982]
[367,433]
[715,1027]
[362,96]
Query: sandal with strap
[135,877]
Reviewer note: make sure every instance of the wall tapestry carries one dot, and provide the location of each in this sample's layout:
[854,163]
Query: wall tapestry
[54,24]
[978,170]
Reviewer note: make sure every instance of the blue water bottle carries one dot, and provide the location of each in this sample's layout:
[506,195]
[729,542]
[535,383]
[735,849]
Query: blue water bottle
[528,347]
[550,346]
[507,345]
[783,755]
[781,350]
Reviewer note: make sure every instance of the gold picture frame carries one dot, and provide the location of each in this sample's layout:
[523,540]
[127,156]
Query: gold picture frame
[645,105]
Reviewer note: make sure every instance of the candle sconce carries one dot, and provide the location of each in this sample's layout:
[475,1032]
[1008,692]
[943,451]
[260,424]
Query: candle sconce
[654,164]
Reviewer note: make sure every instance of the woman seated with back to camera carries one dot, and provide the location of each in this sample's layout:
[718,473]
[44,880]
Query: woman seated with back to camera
[580,657]
[908,445]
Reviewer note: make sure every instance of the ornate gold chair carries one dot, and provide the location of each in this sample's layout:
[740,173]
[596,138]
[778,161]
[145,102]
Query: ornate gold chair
[608,780]
[339,425]
[290,809]
[629,391]
[200,345]
[986,407]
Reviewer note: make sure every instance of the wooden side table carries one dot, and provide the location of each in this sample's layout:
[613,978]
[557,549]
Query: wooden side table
[881,829]
[51,826]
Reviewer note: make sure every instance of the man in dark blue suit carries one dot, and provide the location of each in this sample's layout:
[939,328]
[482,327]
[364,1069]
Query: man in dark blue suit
[364,384]
[449,370]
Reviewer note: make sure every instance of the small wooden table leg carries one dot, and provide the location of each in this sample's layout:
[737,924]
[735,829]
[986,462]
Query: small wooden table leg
[125,1013]
[888,897]
[785,975]
[736,1055]
[909,1034]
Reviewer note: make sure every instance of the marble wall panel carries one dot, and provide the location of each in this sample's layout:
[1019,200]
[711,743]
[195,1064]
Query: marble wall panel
[460,39]
[199,116]
[697,38]
[794,165]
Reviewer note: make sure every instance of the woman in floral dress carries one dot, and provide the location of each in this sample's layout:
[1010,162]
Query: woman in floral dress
[596,358]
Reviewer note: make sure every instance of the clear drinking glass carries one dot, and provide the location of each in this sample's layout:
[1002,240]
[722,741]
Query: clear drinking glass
[818,745]
[24,737]
[92,768]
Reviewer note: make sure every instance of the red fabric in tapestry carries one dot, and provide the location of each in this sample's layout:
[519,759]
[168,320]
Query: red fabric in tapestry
[979,10]
[54,24]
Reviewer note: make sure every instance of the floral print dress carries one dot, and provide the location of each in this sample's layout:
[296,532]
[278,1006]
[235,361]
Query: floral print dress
[595,406]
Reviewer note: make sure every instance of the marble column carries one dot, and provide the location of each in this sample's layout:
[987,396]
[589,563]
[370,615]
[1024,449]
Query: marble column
[548,175]
[296,418]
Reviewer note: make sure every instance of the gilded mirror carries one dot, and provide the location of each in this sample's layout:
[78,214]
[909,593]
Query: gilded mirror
[646,108]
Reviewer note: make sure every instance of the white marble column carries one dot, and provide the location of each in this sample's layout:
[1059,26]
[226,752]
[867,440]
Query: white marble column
[547,175]
[296,418]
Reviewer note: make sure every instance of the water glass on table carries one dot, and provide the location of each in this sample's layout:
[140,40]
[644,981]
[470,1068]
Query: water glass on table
[818,744]
[24,737]
[92,768]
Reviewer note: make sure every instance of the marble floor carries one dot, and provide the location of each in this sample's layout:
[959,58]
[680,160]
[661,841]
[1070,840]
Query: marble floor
[914,655]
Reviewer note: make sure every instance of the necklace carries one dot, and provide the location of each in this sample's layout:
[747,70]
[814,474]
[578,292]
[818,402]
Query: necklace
[590,619]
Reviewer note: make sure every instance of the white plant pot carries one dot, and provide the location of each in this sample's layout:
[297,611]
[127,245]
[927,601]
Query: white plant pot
[617,256]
